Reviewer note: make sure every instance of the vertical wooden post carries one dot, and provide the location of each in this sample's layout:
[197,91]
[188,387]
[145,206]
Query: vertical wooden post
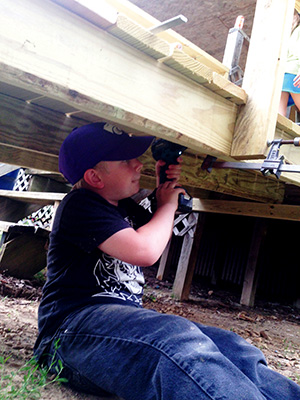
[187,260]
[163,263]
[251,273]
[263,78]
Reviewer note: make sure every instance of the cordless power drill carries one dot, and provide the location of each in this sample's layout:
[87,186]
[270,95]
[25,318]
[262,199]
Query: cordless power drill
[169,152]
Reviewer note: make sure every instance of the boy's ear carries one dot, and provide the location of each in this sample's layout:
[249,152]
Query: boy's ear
[93,178]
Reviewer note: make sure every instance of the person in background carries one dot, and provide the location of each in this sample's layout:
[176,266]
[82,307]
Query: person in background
[91,317]
[290,94]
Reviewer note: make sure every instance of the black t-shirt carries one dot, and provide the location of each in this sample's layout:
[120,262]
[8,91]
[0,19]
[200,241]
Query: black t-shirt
[78,272]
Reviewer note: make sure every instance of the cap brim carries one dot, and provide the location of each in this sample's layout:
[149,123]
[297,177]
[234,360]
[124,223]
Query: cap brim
[131,147]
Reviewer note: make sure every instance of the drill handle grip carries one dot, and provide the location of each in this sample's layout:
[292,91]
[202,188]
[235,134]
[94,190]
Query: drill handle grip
[162,173]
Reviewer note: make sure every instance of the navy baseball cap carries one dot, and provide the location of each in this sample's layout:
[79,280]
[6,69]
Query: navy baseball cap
[86,146]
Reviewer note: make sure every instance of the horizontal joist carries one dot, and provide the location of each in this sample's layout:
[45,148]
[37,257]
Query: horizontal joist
[275,211]
[33,136]
[34,142]
[245,184]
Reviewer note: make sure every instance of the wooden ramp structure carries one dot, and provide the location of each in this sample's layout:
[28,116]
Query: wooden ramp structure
[64,64]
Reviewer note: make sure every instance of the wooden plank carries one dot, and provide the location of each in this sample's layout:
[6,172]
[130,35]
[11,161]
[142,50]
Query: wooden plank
[147,21]
[163,269]
[41,198]
[263,78]
[33,136]
[200,73]
[139,37]
[34,142]
[252,186]
[101,13]
[227,89]
[143,40]
[93,81]
[16,205]
[274,211]
[251,273]
[187,261]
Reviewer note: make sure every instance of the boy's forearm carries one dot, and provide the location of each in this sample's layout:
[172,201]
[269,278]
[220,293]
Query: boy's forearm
[157,232]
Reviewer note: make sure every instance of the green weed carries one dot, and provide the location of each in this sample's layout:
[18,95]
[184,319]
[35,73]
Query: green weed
[27,381]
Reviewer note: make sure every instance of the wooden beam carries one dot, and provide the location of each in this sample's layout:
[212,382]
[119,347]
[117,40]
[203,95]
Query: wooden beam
[187,261]
[97,73]
[251,273]
[274,211]
[101,14]
[164,263]
[31,135]
[41,198]
[263,78]
[245,184]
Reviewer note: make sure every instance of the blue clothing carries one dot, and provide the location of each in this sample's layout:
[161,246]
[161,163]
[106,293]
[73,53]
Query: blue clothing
[289,87]
[110,344]
[140,354]
[292,65]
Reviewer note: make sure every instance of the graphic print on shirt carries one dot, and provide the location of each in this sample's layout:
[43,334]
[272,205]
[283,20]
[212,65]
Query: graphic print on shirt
[116,278]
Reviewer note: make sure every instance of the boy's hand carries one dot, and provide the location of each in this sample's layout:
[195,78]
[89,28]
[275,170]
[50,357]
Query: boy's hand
[173,172]
[167,193]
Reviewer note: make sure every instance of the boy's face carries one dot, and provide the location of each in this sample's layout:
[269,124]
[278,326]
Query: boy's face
[121,179]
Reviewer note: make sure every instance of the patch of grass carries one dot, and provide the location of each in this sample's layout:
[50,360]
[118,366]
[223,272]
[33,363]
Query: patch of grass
[41,276]
[27,381]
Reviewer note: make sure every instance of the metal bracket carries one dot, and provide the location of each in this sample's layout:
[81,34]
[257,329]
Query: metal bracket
[168,24]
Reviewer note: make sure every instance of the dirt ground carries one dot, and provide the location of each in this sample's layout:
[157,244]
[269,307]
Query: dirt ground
[273,328]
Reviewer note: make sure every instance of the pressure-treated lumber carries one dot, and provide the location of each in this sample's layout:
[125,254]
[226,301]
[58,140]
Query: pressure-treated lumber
[98,13]
[96,73]
[263,78]
[33,136]
[187,260]
[251,273]
[104,14]
[163,268]
[16,205]
[41,198]
[117,83]
[249,185]
[274,211]
[36,143]
[174,56]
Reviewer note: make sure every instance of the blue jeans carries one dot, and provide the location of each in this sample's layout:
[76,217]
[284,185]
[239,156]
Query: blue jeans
[140,354]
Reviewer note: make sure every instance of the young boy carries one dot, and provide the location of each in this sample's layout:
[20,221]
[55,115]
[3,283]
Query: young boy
[91,316]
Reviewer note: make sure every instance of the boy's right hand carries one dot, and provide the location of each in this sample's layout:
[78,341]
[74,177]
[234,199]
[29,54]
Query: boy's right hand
[168,193]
